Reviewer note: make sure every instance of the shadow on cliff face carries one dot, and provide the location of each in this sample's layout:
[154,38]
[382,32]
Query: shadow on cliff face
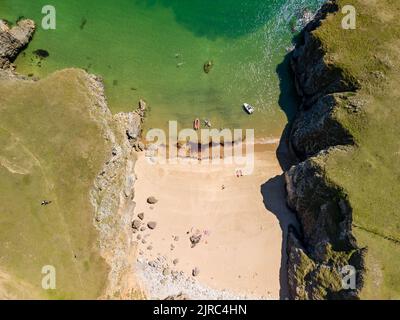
[273,192]
[288,98]
[219,18]
[288,102]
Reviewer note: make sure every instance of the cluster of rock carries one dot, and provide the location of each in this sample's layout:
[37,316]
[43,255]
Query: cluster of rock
[113,192]
[325,243]
[14,40]
[166,269]
[163,281]
[132,121]
[139,227]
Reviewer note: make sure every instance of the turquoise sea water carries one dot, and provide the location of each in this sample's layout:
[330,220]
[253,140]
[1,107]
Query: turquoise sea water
[156,49]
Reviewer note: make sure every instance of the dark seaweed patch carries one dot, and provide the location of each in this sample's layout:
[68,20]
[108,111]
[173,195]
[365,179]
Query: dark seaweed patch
[83,23]
[41,53]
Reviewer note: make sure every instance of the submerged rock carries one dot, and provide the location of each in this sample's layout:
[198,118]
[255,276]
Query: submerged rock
[41,53]
[208,66]
[83,23]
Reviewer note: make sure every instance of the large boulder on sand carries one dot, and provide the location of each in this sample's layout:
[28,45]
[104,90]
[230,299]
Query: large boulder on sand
[152,200]
[152,225]
[136,224]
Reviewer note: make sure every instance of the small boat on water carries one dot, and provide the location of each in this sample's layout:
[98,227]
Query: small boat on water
[196,124]
[248,108]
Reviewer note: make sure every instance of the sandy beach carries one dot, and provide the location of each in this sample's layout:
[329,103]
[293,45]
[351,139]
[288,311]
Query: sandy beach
[216,235]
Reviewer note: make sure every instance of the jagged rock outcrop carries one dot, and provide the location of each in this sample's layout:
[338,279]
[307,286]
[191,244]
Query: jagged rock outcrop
[324,90]
[325,212]
[325,244]
[315,74]
[13,40]
[113,193]
[325,131]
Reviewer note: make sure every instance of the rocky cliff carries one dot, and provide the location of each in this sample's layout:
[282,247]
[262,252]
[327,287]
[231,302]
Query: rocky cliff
[325,243]
[13,40]
[113,193]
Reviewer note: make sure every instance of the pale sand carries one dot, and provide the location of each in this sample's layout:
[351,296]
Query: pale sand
[240,253]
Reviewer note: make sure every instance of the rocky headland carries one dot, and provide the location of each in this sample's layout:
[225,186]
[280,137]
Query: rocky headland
[326,243]
[12,41]
[113,191]
[333,137]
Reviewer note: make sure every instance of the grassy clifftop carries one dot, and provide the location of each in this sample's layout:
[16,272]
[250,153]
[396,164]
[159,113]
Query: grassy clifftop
[51,149]
[358,101]
[370,173]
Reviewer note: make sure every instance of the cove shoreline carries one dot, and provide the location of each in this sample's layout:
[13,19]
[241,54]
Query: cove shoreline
[120,253]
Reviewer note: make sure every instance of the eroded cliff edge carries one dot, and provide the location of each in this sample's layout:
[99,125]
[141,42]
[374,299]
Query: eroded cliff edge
[326,243]
[346,186]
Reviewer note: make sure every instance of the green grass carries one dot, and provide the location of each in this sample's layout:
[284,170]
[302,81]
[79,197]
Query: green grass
[370,174]
[382,260]
[50,149]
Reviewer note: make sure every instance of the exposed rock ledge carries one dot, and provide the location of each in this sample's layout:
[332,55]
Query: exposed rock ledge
[326,243]
[13,40]
[113,193]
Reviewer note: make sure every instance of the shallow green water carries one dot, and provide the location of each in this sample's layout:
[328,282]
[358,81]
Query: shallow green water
[156,49]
